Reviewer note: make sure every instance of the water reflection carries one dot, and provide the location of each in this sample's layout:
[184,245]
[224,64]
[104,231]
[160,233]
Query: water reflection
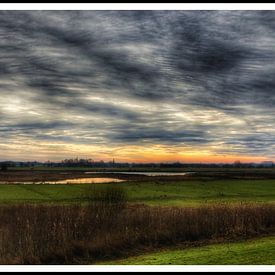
[86,180]
[70,181]
[151,174]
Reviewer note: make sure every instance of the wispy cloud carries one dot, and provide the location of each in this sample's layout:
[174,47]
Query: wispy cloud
[198,79]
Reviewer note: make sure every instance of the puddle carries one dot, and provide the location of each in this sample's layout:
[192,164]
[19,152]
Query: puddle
[70,181]
[150,174]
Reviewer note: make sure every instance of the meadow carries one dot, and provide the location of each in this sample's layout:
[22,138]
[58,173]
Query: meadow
[172,193]
[144,220]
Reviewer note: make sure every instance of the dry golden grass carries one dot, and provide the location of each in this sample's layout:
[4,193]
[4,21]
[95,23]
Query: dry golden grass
[108,228]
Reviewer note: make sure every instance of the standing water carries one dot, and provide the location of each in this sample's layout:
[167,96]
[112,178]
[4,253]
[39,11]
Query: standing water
[70,181]
[150,174]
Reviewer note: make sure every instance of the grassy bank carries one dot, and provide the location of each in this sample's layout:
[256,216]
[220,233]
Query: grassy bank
[177,193]
[251,252]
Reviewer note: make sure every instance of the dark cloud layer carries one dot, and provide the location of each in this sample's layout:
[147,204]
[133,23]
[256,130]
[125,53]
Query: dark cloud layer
[179,78]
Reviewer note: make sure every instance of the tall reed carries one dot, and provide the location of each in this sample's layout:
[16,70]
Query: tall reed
[107,227]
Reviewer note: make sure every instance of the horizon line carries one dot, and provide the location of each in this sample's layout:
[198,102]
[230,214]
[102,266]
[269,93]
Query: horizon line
[121,162]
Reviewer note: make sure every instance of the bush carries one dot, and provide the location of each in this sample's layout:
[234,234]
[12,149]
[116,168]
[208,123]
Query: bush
[4,167]
[109,196]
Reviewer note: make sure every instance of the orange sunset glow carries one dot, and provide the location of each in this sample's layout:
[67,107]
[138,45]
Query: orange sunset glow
[166,88]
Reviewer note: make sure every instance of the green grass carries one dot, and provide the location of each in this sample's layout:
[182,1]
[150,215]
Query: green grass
[200,192]
[253,252]
[181,193]
[39,193]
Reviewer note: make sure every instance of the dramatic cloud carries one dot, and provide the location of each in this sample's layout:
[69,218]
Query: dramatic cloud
[166,84]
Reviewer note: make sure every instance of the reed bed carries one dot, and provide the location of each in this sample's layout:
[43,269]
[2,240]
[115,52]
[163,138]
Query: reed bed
[108,228]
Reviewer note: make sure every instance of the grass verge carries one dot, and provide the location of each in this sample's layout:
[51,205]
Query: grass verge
[250,252]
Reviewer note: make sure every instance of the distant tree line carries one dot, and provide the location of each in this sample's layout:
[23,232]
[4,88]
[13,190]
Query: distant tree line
[76,162]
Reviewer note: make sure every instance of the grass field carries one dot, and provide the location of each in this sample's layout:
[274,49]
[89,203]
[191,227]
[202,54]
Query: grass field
[254,252]
[199,192]
[178,193]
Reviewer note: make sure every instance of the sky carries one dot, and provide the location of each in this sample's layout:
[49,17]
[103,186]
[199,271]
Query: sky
[137,86]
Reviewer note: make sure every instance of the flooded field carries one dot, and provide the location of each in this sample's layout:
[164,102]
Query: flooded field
[70,181]
[150,174]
